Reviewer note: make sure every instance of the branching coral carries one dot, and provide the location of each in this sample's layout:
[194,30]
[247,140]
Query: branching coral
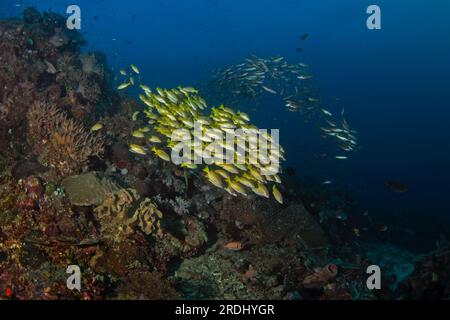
[172,182]
[60,141]
[180,205]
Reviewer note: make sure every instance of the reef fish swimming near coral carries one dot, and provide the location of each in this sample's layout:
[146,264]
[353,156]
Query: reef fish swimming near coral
[173,114]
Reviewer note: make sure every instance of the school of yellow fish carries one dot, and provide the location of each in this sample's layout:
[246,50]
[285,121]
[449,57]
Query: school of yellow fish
[173,113]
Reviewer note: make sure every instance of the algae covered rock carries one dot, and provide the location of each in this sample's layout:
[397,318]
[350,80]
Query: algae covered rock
[88,189]
[293,222]
[213,276]
[146,286]
[185,236]
[272,225]
[309,230]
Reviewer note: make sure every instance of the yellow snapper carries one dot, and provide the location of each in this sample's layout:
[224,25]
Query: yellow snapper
[96,127]
[138,134]
[123,86]
[161,154]
[154,139]
[229,167]
[137,149]
[222,173]
[261,190]
[188,165]
[236,186]
[135,69]
[213,178]
[135,115]
[277,194]
[246,182]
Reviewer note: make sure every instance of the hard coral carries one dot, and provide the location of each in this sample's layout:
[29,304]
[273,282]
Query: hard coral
[123,210]
[27,65]
[60,141]
[88,189]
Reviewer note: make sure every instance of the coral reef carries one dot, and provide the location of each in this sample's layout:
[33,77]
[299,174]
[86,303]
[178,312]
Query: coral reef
[430,278]
[60,142]
[146,286]
[142,228]
[41,61]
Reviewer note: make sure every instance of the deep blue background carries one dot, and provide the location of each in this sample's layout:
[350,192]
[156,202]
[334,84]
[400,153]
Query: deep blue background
[394,83]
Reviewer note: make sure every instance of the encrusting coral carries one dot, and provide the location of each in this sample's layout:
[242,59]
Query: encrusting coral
[59,141]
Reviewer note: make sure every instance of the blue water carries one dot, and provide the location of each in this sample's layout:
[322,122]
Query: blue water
[394,82]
